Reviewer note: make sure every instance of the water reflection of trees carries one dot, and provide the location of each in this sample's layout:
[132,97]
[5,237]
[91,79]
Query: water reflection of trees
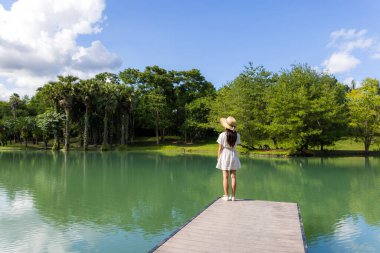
[327,189]
[151,192]
[157,193]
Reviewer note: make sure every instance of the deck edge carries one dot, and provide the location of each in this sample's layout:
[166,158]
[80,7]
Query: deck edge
[181,227]
[302,230]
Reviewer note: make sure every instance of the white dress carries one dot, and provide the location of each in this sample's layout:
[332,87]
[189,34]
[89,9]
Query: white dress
[228,159]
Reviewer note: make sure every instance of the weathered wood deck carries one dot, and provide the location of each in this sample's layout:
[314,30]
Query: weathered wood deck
[240,226]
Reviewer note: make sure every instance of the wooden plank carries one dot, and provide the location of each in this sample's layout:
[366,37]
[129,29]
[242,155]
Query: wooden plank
[240,226]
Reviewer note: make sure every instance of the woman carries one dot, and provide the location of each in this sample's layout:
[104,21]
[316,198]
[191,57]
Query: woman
[228,160]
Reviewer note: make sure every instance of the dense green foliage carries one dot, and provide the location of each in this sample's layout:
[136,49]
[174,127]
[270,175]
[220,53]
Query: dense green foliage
[108,109]
[300,106]
[364,104]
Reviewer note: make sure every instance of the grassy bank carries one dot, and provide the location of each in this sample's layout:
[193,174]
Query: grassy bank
[173,145]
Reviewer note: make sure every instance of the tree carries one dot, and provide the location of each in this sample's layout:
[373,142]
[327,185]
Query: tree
[26,126]
[245,99]
[189,86]
[306,107]
[3,133]
[197,115]
[153,107]
[49,122]
[131,78]
[49,96]
[5,110]
[88,90]
[158,81]
[328,111]
[66,90]
[124,109]
[108,101]
[364,111]
[14,102]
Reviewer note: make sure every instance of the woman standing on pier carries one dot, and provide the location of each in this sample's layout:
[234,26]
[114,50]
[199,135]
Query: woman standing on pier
[228,160]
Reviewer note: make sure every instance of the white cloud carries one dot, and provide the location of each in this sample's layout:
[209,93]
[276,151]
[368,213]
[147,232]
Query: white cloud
[354,44]
[345,35]
[340,62]
[38,41]
[94,58]
[345,41]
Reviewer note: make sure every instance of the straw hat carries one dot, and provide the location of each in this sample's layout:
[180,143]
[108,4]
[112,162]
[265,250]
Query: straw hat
[229,123]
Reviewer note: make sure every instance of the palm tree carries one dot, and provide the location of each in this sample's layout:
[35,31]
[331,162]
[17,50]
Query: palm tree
[66,87]
[108,101]
[124,107]
[88,91]
[14,102]
[52,94]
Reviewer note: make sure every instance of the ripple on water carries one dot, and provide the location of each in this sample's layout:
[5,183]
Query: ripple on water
[351,234]
[347,229]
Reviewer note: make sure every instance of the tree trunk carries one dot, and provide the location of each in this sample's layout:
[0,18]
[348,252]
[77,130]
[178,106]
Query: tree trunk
[133,128]
[157,135]
[46,143]
[66,146]
[95,134]
[56,145]
[157,130]
[321,147]
[111,130]
[274,139]
[105,132]
[122,141]
[85,132]
[367,143]
[127,130]
[162,134]
[80,139]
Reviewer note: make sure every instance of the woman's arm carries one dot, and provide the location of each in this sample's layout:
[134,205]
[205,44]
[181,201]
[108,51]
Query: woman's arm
[220,150]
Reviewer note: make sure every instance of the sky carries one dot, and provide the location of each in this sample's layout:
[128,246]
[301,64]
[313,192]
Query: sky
[41,39]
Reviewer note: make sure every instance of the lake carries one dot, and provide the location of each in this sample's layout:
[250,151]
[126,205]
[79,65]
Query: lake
[129,202]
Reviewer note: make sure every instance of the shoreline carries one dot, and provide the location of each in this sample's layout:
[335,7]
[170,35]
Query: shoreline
[205,149]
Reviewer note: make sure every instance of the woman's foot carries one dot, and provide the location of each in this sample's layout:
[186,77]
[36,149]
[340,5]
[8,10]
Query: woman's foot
[225,198]
[232,198]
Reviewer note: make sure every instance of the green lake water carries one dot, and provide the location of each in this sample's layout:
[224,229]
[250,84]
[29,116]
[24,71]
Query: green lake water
[129,202]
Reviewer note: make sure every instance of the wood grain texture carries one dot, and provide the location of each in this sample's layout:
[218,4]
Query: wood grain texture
[240,226]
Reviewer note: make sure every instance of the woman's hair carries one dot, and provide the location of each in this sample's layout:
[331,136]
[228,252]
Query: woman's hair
[231,137]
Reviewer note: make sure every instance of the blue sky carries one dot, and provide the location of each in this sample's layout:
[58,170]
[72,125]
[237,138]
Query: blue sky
[220,37]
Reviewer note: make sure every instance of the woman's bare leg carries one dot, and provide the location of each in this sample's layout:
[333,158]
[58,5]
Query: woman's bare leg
[233,182]
[225,182]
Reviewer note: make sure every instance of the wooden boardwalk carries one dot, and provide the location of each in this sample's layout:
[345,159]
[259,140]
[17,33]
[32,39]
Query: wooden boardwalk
[240,226]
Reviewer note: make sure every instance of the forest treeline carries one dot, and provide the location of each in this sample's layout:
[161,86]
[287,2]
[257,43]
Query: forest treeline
[301,106]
